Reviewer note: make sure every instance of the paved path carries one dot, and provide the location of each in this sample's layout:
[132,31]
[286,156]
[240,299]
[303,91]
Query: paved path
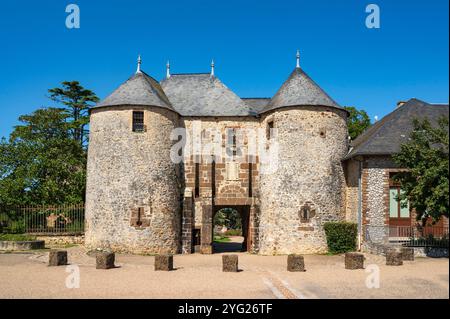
[234,245]
[201,276]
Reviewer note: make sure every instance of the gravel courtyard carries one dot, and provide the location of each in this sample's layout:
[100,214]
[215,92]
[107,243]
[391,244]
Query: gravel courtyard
[26,275]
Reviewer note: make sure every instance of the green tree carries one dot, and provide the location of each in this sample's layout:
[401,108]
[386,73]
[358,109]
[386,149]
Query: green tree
[358,121]
[41,163]
[77,101]
[425,155]
[228,217]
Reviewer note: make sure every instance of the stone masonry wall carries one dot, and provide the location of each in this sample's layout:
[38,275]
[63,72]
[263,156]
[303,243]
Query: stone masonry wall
[310,177]
[227,191]
[130,172]
[375,206]
[351,197]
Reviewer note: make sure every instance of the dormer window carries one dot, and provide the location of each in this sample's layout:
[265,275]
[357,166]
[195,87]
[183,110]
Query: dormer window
[138,121]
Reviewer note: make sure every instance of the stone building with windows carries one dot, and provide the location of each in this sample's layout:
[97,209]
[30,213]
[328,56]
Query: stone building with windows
[145,195]
[371,191]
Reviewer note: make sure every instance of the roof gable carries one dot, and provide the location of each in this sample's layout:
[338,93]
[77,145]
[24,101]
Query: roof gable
[387,135]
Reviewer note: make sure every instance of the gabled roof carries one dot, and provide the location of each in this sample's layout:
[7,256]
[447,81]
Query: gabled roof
[386,136]
[140,89]
[200,94]
[299,90]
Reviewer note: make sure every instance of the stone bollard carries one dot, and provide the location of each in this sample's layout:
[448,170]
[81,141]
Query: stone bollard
[105,260]
[407,253]
[394,257]
[230,263]
[57,258]
[354,261]
[163,262]
[295,263]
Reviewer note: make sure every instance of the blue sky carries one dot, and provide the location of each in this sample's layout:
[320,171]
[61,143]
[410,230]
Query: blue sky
[253,43]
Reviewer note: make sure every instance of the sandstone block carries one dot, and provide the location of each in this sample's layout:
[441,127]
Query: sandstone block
[105,260]
[407,253]
[163,262]
[394,258]
[295,263]
[57,258]
[230,263]
[354,261]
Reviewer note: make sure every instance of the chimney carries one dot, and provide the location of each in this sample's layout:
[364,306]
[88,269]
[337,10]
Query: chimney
[400,103]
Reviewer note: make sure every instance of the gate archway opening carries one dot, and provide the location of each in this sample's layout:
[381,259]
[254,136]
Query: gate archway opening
[230,228]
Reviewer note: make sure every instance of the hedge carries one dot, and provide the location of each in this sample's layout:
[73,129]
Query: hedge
[341,236]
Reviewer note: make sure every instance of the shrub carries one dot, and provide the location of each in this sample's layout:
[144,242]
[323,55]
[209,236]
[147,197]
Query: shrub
[341,236]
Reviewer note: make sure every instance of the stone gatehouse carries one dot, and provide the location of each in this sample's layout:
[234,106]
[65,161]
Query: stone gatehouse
[144,197]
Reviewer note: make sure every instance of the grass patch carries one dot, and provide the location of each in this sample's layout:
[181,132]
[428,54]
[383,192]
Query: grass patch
[16,237]
[221,239]
[233,232]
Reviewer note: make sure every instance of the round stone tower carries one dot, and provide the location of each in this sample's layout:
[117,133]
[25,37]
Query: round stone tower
[133,189]
[305,187]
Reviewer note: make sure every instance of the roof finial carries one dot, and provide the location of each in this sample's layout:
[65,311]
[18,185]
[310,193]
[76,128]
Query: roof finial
[168,69]
[139,62]
[212,68]
[298,59]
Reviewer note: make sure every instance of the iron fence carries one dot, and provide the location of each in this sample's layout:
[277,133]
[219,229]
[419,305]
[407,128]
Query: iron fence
[412,236]
[421,236]
[67,219]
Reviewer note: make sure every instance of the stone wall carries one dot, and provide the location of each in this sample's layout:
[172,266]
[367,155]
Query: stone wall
[375,192]
[352,168]
[310,177]
[131,172]
[228,190]
[62,240]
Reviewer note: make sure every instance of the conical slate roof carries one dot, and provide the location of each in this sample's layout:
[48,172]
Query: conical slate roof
[140,89]
[201,94]
[299,90]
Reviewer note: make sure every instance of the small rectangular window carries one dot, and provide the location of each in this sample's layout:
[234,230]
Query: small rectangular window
[269,131]
[197,180]
[250,177]
[213,178]
[231,142]
[138,121]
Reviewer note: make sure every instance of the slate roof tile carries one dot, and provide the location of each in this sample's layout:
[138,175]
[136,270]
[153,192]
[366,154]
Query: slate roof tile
[386,136]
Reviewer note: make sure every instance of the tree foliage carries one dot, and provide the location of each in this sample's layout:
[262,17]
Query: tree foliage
[77,101]
[44,159]
[228,217]
[358,121]
[425,155]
